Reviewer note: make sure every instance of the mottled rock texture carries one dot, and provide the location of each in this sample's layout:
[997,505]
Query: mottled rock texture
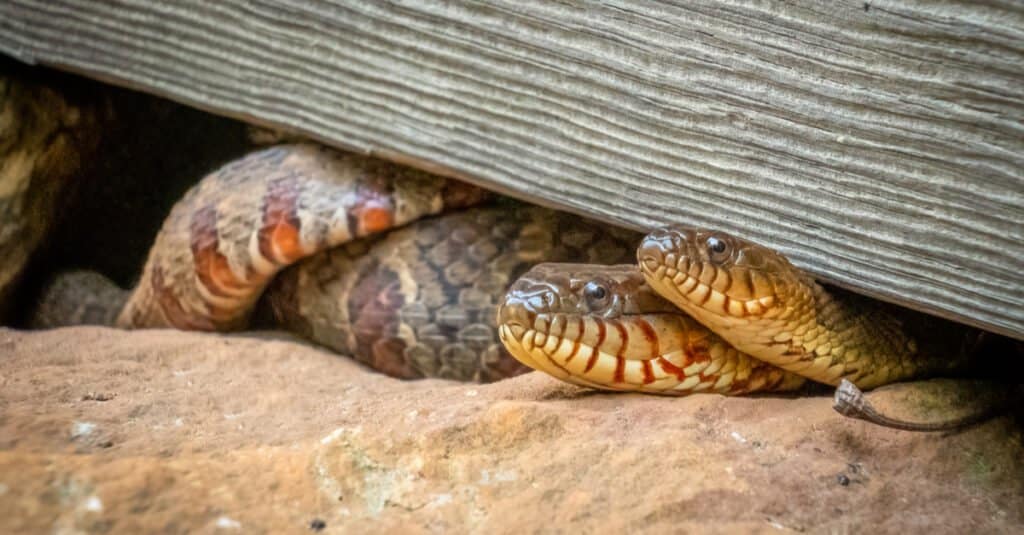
[160,431]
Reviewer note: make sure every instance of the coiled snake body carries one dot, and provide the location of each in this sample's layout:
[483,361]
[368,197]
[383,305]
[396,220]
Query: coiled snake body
[376,261]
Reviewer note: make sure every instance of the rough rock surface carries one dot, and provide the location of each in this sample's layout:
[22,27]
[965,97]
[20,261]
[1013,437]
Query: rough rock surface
[161,431]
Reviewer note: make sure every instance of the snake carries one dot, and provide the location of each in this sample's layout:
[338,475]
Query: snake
[401,269]
[417,275]
[705,311]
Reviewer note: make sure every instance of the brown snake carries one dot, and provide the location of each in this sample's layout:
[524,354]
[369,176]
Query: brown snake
[371,259]
[704,312]
[707,311]
[604,327]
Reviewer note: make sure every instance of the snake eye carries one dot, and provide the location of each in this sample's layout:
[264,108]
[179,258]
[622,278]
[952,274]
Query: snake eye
[596,295]
[718,250]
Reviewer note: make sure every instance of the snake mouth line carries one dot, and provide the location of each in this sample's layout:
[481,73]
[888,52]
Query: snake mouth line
[688,290]
[674,373]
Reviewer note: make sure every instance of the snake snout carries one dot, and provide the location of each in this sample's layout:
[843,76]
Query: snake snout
[518,311]
[658,244]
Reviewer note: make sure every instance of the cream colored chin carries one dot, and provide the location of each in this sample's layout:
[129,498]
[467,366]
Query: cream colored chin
[511,338]
[554,356]
[557,358]
[520,343]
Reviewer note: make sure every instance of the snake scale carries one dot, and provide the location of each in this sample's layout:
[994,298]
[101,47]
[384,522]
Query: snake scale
[407,272]
[371,259]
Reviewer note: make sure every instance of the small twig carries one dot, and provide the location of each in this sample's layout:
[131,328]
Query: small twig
[850,401]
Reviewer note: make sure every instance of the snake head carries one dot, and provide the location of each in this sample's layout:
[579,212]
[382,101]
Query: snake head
[598,326]
[549,289]
[716,277]
[605,327]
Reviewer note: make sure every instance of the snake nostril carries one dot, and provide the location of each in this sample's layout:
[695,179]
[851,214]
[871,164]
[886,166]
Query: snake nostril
[521,305]
[514,314]
[650,262]
[652,250]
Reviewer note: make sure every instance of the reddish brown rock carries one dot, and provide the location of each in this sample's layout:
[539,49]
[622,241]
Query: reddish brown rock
[162,431]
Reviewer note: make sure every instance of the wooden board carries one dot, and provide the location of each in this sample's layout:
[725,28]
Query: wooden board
[880,144]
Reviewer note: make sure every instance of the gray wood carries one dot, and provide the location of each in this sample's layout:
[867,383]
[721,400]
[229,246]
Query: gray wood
[880,144]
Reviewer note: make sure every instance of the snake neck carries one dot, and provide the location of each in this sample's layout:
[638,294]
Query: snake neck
[755,299]
[833,335]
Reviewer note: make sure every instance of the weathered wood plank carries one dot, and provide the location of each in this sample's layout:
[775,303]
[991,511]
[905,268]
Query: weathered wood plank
[880,144]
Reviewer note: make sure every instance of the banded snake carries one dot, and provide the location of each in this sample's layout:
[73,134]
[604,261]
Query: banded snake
[697,311]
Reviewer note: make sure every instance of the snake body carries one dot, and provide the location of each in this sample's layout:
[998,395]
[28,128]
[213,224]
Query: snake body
[420,301]
[400,269]
[239,226]
[761,323]
[403,271]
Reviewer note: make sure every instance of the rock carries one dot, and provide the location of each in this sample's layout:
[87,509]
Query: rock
[161,431]
[48,129]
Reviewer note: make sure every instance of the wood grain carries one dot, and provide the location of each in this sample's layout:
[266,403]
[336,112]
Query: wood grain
[879,144]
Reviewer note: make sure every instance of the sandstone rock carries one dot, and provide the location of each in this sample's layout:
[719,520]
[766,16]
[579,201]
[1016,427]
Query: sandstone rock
[161,431]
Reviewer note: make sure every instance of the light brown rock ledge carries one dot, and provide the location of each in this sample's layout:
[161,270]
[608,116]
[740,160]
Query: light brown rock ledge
[160,431]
